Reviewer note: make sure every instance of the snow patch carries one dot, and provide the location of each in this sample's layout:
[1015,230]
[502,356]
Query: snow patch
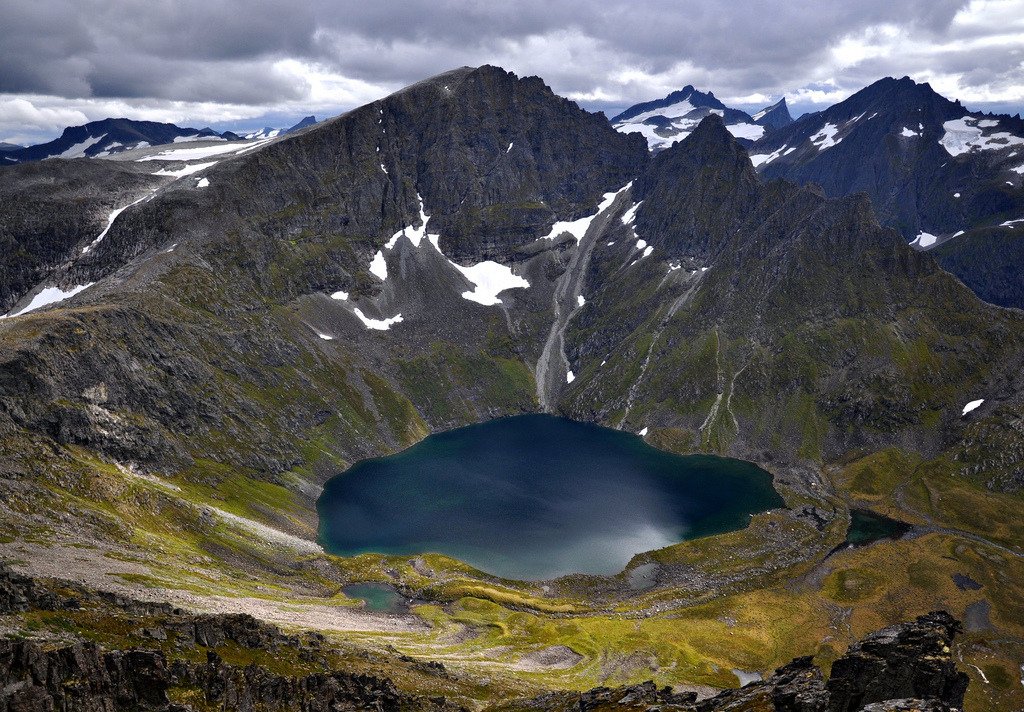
[765,158]
[203,183]
[965,135]
[509,147]
[186,171]
[256,144]
[341,296]
[378,324]
[378,266]
[78,150]
[197,137]
[924,239]
[908,133]
[750,131]
[415,234]
[973,405]
[110,223]
[325,337]
[643,432]
[580,301]
[578,228]
[189,154]
[47,296]
[826,137]
[570,377]
[630,215]
[490,279]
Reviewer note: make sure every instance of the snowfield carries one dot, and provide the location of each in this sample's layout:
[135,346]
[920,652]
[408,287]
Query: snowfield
[490,278]
[47,296]
[186,171]
[110,223]
[924,239]
[190,154]
[78,150]
[965,135]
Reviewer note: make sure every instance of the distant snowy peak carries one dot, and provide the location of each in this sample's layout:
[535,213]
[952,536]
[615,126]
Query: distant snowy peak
[903,108]
[270,132]
[685,97]
[265,132]
[775,116]
[948,179]
[99,139]
[664,121]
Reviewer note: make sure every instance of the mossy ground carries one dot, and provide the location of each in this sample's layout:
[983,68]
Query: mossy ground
[679,634]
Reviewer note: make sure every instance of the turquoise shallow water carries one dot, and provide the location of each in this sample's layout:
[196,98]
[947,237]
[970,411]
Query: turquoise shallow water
[377,597]
[537,496]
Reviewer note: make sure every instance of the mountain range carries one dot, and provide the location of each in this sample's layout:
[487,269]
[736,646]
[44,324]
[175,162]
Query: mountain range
[947,179]
[187,356]
[664,121]
[98,139]
[109,137]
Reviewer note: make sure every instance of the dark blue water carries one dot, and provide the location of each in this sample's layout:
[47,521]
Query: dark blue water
[867,527]
[536,496]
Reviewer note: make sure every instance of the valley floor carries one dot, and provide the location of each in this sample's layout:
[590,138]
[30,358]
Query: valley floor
[704,615]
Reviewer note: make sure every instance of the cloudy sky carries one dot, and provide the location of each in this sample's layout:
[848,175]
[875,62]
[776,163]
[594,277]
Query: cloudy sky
[242,63]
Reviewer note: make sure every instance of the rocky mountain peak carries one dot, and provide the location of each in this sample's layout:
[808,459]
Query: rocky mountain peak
[775,116]
[696,191]
[688,94]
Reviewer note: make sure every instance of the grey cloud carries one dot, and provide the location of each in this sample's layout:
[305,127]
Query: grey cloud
[221,50]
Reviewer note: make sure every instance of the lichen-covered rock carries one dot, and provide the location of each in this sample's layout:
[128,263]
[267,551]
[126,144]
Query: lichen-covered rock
[905,661]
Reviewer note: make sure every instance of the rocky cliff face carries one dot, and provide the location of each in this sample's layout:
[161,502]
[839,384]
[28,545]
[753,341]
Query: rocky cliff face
[51,211]
[744,317]
[933,171]
[496,160]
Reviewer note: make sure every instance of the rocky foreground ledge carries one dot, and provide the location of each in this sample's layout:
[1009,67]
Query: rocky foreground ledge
[904,667]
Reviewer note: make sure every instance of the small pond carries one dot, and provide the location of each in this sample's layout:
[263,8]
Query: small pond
[377,597]
[867,527]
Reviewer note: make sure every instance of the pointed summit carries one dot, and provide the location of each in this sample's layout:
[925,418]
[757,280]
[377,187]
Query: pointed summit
[775,116]
[307,121]
[704,186]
